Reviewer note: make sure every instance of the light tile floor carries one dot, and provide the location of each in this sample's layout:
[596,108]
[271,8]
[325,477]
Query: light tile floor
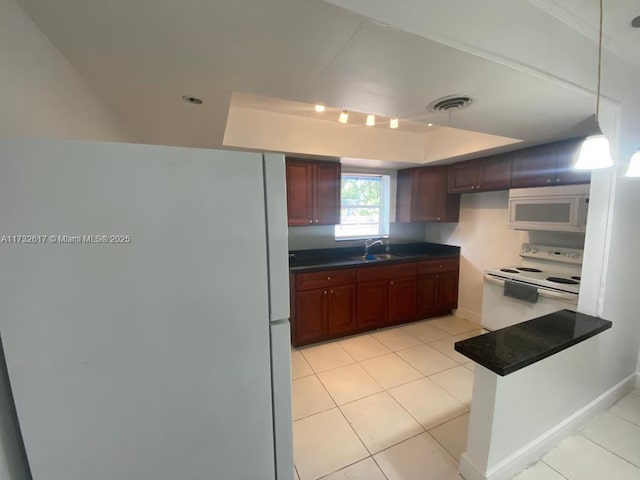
[607,448]
[392,404]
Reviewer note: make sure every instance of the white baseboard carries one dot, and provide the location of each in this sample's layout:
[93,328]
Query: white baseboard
[468,314]
[535,449]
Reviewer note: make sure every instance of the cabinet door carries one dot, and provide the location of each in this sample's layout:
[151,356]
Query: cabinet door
[494,173]
[534,167]
[427,294]
[447,290]
[327,193]
[299,192]
[567,153]
[402,300]
[428,195]
[463,177]
[372,304]
[342,310]
[311,315]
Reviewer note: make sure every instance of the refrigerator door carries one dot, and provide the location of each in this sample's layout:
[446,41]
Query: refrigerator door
[148,358]
[277,235]
[277,239]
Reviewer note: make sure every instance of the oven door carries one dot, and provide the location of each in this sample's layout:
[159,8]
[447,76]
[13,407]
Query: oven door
[499,311]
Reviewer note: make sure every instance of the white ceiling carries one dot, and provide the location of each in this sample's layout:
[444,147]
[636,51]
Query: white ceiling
[142,56]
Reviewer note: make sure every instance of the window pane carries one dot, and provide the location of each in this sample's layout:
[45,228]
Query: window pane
[364,206]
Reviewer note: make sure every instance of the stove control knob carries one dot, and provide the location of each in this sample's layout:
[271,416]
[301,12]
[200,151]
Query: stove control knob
[575,255]
[526,249]
[534,250]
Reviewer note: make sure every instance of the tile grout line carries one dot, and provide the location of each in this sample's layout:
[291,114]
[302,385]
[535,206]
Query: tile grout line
[542,461]
[613,453]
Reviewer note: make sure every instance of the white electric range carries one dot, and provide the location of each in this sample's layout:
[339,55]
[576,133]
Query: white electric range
[548,276]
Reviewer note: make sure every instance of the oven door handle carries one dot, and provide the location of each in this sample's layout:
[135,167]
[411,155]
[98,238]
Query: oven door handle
[541,291]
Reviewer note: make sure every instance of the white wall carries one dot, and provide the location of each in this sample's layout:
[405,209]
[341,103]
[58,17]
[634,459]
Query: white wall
[41,94]
[486,242]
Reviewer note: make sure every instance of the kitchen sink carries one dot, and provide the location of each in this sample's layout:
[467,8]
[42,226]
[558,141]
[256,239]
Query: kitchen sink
[374,258]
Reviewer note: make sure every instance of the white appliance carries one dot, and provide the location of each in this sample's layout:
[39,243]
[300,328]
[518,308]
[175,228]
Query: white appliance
[163,351]
[554,209]
[549,277]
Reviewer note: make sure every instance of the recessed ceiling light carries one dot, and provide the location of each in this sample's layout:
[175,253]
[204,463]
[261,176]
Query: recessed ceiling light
[344,117]
[393,123]
[429,124]
[371,120]
[192,100]
[320,108]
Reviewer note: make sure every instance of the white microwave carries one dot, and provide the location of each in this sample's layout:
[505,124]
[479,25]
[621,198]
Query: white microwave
[554,209]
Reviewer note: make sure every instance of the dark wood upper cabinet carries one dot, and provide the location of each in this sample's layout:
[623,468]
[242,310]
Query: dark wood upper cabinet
[299,192]
[544,165]
[422,196]
[548,165]
[313,192]
[327,193]
[481,175]
[494,173]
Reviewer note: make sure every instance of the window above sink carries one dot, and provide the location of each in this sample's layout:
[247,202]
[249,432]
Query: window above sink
[364,206]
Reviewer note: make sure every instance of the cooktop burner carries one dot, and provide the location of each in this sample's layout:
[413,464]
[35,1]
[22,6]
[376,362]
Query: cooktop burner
[509,270]
[529,269]
[577,277]
[566,281]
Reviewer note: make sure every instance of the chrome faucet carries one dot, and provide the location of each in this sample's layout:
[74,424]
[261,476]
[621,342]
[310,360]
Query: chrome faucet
[368,245]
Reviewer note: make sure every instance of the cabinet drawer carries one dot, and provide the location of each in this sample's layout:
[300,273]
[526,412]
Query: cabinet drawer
[386,272]
[435,266]
[325,278]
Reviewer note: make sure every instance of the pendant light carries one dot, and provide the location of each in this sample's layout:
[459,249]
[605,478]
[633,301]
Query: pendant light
[634,165]
[595,151]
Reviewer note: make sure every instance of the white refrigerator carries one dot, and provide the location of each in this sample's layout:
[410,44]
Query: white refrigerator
[144,311]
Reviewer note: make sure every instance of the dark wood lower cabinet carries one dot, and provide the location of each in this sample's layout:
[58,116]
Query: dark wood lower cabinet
[332,303]
[402,300]
[437,293]
[341,311]
[427,294]
[311,316]
[448,291]
[372,304]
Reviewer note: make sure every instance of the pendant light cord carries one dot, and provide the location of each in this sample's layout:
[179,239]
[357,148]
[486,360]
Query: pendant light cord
[599,65]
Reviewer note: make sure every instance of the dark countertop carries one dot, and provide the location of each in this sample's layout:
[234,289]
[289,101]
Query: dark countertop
[509,349]
[318,259]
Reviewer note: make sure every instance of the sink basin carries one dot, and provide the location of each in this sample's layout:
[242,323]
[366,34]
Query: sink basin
[375,258]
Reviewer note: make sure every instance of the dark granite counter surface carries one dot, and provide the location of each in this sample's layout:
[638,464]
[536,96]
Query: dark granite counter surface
[318,259]
[509,349]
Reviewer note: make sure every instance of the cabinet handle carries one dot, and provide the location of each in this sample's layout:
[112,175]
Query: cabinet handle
[310,221]
[438,218]
[557,180]
[325,292]
[548,180]
[477,186]
[328,278]
[391,282]
[331,292]
[472,187]
[439,266]
[437,276]
[316,220]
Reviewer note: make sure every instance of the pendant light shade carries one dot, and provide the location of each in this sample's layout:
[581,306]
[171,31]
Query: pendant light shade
[634,165]
[595,153]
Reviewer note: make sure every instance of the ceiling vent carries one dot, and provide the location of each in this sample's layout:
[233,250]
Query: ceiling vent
[452,102]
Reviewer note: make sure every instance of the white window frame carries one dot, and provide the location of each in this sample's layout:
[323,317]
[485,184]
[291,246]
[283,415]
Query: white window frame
[385,209]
